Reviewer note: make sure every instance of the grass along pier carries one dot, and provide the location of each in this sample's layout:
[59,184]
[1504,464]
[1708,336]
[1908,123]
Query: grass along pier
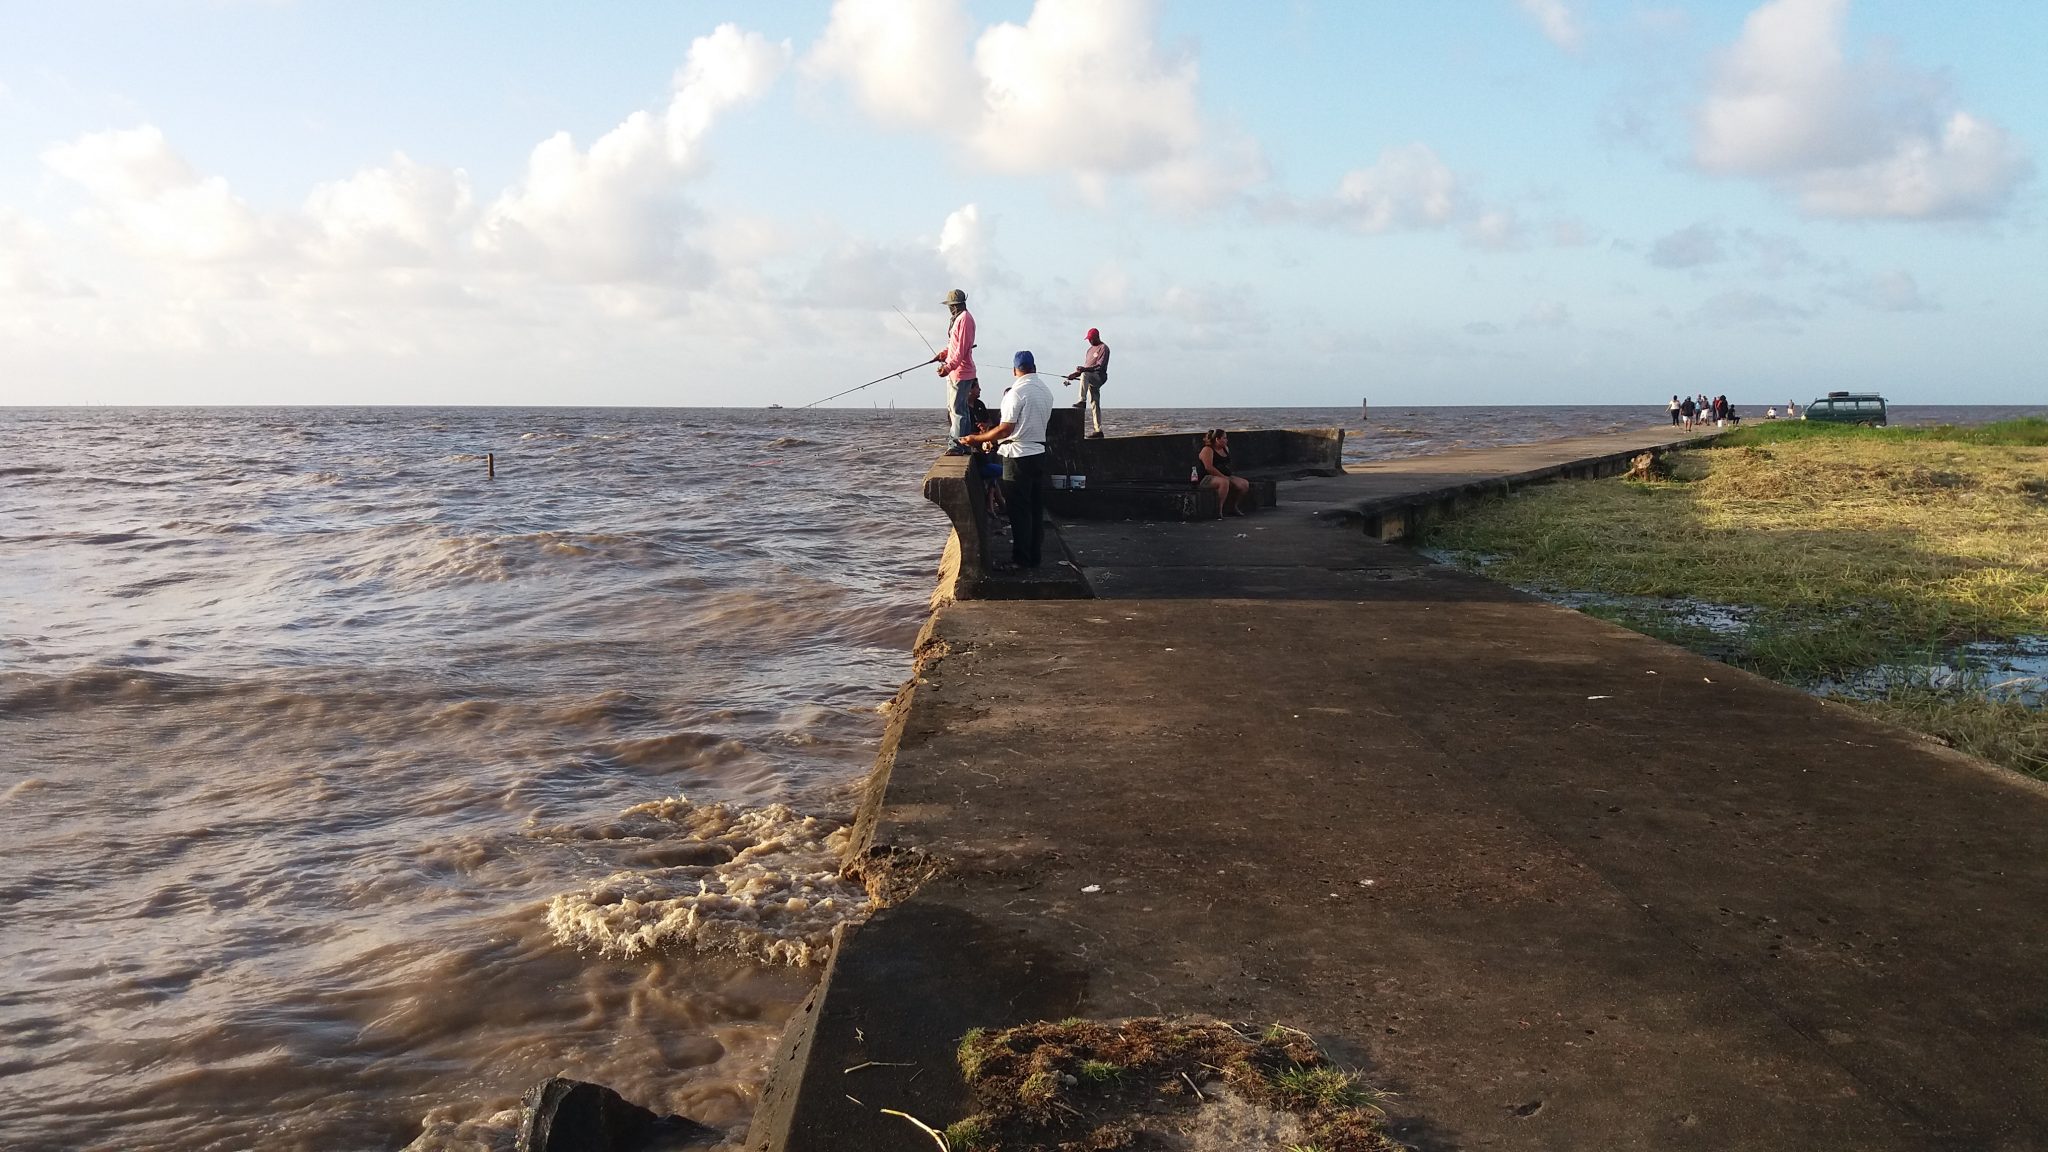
[1903,570]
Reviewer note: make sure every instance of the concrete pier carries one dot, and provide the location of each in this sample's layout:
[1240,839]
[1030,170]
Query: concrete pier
[1557,884]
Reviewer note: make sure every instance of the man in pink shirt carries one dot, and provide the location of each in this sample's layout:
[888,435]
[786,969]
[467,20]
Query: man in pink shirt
[1093,374]
[956,364]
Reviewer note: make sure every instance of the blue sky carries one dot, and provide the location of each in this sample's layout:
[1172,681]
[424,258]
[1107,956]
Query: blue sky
[1532,201]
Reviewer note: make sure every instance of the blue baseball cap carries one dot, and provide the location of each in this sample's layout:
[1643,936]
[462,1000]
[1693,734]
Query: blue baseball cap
[1025,361]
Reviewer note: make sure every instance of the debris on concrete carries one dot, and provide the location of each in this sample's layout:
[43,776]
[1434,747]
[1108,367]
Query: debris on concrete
[1191,1083]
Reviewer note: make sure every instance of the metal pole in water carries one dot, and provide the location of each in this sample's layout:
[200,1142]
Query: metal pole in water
[490,465]
[1364,413]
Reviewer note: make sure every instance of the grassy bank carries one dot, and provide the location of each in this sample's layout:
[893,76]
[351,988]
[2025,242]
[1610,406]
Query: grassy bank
[1860,562]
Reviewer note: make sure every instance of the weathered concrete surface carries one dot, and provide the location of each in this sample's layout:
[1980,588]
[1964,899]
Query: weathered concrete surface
[1560,885]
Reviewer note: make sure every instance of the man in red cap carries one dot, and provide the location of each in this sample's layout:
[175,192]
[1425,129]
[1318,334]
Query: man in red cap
[1094,373]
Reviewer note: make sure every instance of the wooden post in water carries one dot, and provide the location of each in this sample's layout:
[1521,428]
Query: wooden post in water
[490,465]
[1364,413]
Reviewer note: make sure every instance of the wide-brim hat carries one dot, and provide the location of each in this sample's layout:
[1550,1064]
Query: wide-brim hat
[956,296]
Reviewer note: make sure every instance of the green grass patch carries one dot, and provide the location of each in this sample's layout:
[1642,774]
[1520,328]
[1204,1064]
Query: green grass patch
[1841,548]
[1098,1071]
[973,1132]
[1323,1086]
[2023,432]
[2003,731]
[973,1049]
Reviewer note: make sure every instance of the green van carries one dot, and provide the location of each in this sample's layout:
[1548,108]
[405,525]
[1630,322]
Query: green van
[1865,408]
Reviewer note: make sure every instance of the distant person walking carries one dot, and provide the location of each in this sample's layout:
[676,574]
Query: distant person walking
[1021,443]
[1674,409]
[956,365]
[1688,410]
[1094,373]
[1212,470]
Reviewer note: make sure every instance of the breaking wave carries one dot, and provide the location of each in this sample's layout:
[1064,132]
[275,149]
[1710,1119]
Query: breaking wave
[763,883]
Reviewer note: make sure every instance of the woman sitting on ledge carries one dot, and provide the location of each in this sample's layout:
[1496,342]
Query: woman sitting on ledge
[1212,470]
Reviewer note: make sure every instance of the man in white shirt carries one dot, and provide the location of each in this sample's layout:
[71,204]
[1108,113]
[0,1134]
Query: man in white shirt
[1020,440]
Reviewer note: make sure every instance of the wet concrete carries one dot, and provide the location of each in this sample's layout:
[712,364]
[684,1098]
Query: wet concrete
[1559,885]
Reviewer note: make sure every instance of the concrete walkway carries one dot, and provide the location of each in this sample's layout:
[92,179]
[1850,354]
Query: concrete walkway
[1559,885]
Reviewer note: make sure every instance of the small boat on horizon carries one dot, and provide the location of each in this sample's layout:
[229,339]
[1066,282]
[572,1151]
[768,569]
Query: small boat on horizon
[775,406]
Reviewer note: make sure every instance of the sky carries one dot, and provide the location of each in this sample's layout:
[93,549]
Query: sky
[1310,203]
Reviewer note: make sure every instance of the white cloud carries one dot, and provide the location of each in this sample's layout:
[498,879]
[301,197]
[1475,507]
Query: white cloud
[1689,247]
[27,259]
[1742,306]
[1893,290]
[1496,229]
[1570,232]
[405,259]
[1211,316]
[402,215]
[1557,20]
[1552,314]
[1110,290]
[963,245]
[616,212]
[1847,138]
[862,274]
[1406,188]
[612,214]
[147,198]
[1081,88]
[907,60]
[1771,256]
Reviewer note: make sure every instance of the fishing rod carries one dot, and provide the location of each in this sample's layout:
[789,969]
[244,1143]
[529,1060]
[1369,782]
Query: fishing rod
[936,357]
[914,328]
[872,383]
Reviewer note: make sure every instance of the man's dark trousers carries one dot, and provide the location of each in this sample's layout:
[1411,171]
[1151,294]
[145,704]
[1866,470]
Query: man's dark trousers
[1024,492]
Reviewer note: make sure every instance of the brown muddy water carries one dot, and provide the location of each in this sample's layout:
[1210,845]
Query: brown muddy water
[341,787]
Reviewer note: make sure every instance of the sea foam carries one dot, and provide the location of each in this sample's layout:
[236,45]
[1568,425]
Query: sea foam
[763,883]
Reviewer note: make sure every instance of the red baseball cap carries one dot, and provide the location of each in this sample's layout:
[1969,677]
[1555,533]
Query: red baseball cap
[1092,334]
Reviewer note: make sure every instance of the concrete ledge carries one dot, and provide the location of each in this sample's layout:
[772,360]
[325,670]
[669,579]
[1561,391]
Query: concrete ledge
[1279,452]
[962,495]
[1396,517]
[969,570]
[1162,500]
